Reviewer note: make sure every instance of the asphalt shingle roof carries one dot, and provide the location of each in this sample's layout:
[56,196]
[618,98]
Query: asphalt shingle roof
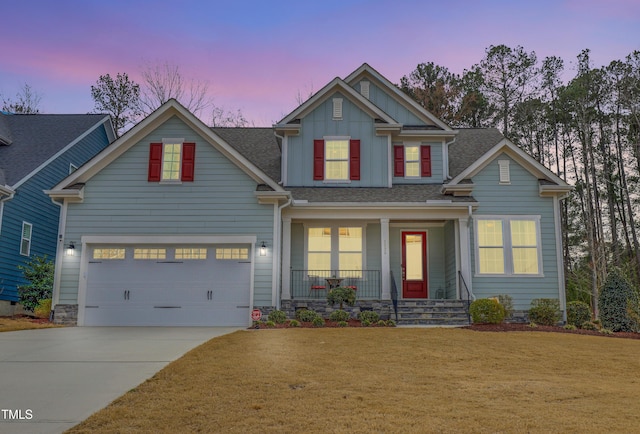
[35,138]
[470,145]
[396,194]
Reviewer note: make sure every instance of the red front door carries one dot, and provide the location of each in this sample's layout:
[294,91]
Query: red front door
[414,264]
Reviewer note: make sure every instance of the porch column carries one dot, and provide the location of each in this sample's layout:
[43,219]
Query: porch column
[286,259]
[465,256]
[385,272]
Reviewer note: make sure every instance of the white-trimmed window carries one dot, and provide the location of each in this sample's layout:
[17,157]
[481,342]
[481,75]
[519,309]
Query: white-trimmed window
[191,253]
[412,161]
[171,161]
[150,253]
[25,242]
[109,253]
[232,253]
[338,249]
[508,245]
[336,157]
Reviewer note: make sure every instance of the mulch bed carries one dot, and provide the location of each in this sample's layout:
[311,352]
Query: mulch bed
[519,327]
[327,324]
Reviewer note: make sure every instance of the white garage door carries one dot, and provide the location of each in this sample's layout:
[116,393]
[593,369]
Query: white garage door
[168,285]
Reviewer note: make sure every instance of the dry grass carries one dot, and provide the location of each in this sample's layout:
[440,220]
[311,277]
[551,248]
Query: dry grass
[387,380]
[10,324]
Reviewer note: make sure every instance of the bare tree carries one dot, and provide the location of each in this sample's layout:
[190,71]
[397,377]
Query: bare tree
[120,98]
[227,118]
[163,81]
[27,102]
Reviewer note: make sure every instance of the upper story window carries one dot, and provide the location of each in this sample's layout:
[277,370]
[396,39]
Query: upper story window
[172,161]
[336,159]
[412,161]
[508,245]
[25,242]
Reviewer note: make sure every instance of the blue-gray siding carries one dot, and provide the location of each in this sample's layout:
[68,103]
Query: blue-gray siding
[30,204]
[521,197]
[221,201]
[389,105]
[437,174]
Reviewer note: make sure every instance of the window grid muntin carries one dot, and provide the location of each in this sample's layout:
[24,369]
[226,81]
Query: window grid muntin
[336,159]
[109,253]
[25,240]
[171,161]
[232,253]
[189,253]
[150,253]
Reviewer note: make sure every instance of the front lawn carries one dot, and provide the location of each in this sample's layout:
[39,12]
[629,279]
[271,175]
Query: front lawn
[387,380]
[10,324]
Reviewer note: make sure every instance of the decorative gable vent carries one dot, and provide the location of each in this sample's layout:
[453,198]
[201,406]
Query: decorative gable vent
[337,108]
[505,175]
[364,88]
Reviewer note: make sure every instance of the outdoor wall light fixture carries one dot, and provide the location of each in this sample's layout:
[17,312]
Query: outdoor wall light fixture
[71,249]
[263,249]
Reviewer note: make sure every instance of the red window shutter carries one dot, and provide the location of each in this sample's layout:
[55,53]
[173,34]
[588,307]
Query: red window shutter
[188,161]
[398,161]
[354,160]
[155,162]
[425,160]
[318,160]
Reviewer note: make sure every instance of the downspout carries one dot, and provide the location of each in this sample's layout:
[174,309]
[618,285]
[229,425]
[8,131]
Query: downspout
[277,239]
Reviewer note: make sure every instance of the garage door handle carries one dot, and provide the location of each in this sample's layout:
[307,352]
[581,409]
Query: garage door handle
[126,294]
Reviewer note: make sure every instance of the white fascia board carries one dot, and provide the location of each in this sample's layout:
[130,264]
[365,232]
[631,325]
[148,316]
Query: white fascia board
[431,134]
[81,137]
[396,92]
[70,195]
[554,190]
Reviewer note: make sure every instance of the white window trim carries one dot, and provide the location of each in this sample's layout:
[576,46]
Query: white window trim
[335,253]
[347,180]
[337,109]
[171,141]
[507,245]
[22,238]
[406,160]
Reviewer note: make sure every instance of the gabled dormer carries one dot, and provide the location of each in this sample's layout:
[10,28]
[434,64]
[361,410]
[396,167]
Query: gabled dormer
[362,132]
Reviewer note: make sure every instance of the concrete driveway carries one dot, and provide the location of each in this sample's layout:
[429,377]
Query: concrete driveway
[52,379]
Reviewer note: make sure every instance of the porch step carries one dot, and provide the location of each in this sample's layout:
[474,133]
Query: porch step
[432,312]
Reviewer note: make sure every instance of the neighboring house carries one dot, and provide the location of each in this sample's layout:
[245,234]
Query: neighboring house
[180,224]
[36,152]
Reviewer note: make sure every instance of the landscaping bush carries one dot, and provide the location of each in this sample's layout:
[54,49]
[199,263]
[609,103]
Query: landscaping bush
[318,321]
[618,303]
[382,323]
[306,315]
[588,325]
[369,315]
[507,302]
[545,311]
[39,273]
[570,327]
[341,296]
[43,310]
[391,323]
[486,311]
[277,316]
[339,315]
[294,323]
[578,312]
[270,324]
[365,323]
[343,324]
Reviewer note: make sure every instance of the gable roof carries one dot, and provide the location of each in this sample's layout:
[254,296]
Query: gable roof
[30,140]
[367,71]
[166,111]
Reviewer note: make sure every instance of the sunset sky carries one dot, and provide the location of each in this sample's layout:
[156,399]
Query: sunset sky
[258,55]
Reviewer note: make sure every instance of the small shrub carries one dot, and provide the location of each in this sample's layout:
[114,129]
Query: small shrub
[533,325]
[343,324]
[589,325]
[294,323]
[391,323]
[318,321]
[606,331]
[339,315]
[578,312]
[486,311]
[39,273]
[597,322]
[277,316]
[545,311]
[507,302]
[382,323]
[342,296]
[570,327]
[369,315]
[43,310]
[365,323]
[618,301]
[270,324]
[306,315]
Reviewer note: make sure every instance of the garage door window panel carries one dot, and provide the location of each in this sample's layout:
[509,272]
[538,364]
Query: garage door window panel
[191,253]
[231,253]
[109,253]
[151,253]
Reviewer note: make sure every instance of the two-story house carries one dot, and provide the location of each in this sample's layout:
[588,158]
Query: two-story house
[36,152]
[180,224]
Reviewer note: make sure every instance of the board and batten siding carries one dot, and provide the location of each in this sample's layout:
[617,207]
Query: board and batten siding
[393,108]
[30,204]
[520,197]
[120,201]
[355,124]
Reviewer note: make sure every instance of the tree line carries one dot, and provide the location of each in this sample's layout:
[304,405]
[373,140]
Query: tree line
[585,129]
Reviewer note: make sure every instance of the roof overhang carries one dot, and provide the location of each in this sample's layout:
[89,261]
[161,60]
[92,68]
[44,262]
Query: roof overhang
[458,190]
[271,197]
[6,193]
[548,190]
[74,194]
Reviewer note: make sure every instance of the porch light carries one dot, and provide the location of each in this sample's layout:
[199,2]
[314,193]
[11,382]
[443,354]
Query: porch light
[263,249]
[71,249]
